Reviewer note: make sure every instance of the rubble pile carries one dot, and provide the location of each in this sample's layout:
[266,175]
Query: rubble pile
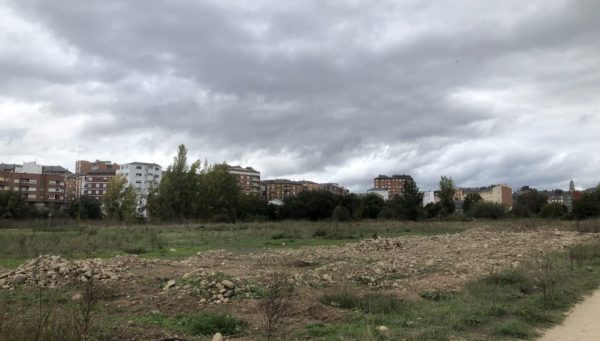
[210,287]
[55,271]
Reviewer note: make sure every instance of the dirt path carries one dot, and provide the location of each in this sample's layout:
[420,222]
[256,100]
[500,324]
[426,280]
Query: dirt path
[582,323]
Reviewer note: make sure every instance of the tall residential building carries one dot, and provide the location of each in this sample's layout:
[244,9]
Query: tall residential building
[248,179]
[394,184]
[91,178]
[91,184]
[40,186]
[143,177]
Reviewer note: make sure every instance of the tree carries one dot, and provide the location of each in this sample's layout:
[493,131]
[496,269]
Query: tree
[553,210]
[86,207]
[176,197]
[219,193]
[446,195]
[312,205]
[530,203]
[487,210]
[470,200]
[432,210]
[12,205]
[588,206]
[412,203]
[119,200]
[371,205]
[341,213]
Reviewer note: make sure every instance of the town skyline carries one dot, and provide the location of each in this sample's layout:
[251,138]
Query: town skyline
[485,93]
[320,181]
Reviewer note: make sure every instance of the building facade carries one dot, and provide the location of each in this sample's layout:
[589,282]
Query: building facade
[333,188]
[40,186]
[248,179]
[141,175]
[280,189]
[92,184]
[86,167]
[394,184]
[498,194]
[91,178]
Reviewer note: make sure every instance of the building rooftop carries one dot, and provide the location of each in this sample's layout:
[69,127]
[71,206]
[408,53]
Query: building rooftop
[243,169]
[142,164]
[395,176]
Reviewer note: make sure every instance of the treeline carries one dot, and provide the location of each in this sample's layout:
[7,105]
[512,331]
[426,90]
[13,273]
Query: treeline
[195,192]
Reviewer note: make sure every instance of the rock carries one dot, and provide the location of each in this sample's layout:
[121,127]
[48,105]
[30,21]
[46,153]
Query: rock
[18,279]
[327,277]
[217,337]
[77,297]
[228,284]
[169,284]
[229,293]
[383,329]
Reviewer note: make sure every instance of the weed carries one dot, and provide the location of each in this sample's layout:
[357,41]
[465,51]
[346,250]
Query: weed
[275,305]
[370,304]
[199,324]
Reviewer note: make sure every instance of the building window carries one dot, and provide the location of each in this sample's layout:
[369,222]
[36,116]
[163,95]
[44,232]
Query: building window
[138,174]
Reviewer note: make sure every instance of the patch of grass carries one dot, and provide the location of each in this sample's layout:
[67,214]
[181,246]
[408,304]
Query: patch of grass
[370,303]
[198,324]
[509,304]
[514,329]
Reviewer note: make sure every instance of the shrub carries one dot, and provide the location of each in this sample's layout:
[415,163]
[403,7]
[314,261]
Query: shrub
[487,210]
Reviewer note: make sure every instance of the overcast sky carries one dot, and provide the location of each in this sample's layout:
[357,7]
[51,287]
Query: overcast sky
[332,91]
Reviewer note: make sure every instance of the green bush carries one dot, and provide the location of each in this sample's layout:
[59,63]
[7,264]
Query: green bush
[487,210]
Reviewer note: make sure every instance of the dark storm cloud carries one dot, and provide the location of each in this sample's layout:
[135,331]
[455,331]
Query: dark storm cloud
[332,90]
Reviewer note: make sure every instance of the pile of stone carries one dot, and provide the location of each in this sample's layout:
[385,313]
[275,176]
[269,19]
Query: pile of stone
[55,271]
[380,244]
[209,287]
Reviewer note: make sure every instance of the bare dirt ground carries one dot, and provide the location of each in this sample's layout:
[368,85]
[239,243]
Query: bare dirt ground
[405,266]
[581,324]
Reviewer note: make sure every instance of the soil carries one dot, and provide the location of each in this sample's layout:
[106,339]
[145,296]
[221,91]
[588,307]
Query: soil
[405,266]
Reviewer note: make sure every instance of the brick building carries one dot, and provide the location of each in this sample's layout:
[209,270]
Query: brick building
[280,189]
[86,167]
[333,188]
[394,184]
[40,186]
[248,179]
[91,179]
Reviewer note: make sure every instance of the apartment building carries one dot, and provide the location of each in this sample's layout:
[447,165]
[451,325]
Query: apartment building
[280,189]
[141,175]
[310,185]
[93,184]
[394,184]
[333,188]
[86,167]
[40,186]
[91,178]
[248,179]
[498,194]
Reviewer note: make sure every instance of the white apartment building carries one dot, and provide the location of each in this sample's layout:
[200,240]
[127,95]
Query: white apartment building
[143,177]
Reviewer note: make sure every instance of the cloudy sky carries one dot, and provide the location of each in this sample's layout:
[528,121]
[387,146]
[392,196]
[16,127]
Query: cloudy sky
[482,91]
